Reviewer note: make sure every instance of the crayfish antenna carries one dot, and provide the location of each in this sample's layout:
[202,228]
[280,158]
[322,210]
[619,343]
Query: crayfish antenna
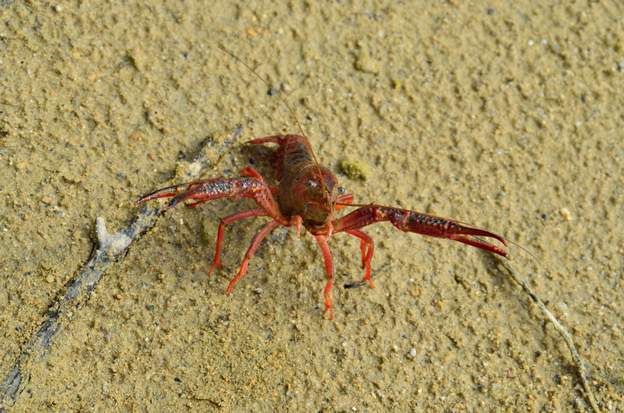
[526,250]
[292,114]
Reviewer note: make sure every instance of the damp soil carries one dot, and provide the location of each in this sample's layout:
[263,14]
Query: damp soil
[504,115]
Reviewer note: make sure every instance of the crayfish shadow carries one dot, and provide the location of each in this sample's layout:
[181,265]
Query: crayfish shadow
[260,157]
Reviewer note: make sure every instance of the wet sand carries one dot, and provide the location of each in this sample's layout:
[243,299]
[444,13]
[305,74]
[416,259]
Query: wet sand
[508,117]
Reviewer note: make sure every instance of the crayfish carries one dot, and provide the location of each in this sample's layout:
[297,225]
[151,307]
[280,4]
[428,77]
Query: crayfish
[308,196]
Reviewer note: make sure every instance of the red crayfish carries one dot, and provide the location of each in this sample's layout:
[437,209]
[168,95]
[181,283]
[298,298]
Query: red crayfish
[308,195]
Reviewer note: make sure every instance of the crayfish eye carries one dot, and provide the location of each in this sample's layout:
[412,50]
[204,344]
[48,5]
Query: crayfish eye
[340,190]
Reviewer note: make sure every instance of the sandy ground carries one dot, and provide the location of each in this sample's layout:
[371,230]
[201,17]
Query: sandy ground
[507,115]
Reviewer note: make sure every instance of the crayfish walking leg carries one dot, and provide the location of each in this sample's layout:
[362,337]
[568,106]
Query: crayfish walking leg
[239,216]
[266,230]
[329,270]
[367,256]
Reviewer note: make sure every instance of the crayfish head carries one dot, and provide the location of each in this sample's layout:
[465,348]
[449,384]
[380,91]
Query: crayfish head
[318,195]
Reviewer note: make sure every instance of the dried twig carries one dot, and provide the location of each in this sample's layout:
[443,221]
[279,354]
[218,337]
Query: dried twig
[110,248]
[578,361]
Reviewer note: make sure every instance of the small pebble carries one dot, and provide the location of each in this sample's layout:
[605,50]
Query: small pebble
[365,63]
[566,214]
[135,136]
[412,353]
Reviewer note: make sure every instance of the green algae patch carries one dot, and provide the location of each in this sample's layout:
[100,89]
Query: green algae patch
[354,170]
